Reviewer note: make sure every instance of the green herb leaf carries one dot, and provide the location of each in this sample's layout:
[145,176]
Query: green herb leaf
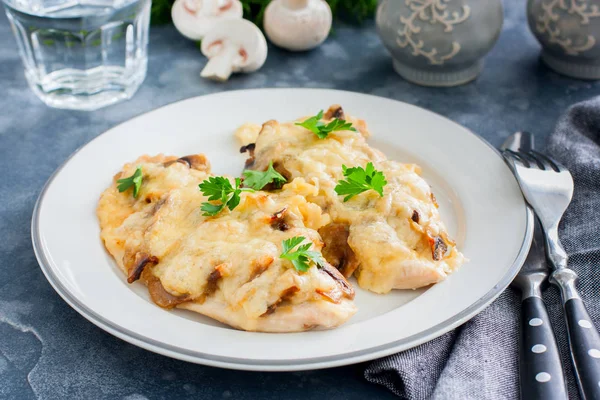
[318,127]
[215,186]
[134,181]
[234,200]
[211,209]
[302,257]
[360,180]
[313,123]
[219,188]
[259,179]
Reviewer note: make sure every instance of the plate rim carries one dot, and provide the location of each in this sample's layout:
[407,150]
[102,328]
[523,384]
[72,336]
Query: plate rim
[273,365]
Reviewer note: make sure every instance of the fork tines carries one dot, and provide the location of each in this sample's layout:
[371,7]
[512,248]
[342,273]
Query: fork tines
[534,159]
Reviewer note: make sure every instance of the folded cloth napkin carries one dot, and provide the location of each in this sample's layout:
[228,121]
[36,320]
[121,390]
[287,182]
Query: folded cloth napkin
[479,360]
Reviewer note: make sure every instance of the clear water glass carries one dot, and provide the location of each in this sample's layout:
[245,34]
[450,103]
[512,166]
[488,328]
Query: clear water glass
[82,54]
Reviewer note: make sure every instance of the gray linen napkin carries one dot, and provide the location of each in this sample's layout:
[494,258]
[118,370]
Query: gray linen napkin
[479,360]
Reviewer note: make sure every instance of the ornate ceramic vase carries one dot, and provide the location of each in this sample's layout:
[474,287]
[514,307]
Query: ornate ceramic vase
[439,42]
[569,32]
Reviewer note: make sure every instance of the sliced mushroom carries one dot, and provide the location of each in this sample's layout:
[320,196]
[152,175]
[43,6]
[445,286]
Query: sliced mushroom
[159,294]
[337,251]
[278,220]
[438,247]
[416,217]
[260,265]
[250,149]
[140,262]
[284,296]
[195,161]
[194,18]
[157,205]
[233,46]
[342,283]
[335,111]
[297,25]
[212,282]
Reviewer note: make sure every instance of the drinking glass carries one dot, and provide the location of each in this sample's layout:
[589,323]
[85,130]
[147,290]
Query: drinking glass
[81,54]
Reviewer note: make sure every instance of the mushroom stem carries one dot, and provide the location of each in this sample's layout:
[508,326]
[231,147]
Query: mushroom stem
[220,66]
[296,4]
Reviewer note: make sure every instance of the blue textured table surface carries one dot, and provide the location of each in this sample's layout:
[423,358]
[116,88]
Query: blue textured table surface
[49,351]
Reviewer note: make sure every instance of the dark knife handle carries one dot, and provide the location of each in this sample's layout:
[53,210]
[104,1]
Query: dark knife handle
[584,341]
[540,367]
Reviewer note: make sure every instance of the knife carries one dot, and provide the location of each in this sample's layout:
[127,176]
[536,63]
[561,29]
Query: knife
[540,369]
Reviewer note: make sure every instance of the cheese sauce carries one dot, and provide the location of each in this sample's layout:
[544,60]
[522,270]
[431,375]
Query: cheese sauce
[228,266]
[399,240]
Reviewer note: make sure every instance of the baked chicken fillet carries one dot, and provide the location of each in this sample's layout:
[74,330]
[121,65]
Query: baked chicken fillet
[228,266]
[396,241]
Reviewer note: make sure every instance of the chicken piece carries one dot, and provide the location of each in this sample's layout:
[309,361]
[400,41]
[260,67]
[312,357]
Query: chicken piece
[397,241]
[227,266]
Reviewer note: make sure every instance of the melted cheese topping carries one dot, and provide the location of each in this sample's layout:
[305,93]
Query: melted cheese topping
[227,266]
[399,239]
[247,133]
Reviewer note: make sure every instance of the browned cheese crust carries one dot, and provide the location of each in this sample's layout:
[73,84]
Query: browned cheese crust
[228,266]
[397,241]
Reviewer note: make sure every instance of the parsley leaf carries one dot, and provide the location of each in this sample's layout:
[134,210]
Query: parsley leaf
[134,181]
[215,186]
[318,127]
[313,123]
[211,209]
[219,188]
[302,257]
[360,180]
[259,179]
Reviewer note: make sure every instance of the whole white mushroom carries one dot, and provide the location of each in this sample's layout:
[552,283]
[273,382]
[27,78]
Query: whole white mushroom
[193,18]
[297,25]
[235,45]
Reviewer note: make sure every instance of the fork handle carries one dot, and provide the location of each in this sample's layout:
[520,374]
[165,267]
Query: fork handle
[584,339]
[540,369]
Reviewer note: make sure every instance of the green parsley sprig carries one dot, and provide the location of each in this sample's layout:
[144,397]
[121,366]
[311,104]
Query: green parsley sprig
[134,181]
[302,257]
[259,179]
[322,130]
[219,188]
[360,180]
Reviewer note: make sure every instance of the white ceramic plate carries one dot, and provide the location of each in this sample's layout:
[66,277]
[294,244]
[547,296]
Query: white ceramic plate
[479,200]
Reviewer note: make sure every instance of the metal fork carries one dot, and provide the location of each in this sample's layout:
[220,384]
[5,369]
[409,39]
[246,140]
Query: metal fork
[548,188]
[541,374]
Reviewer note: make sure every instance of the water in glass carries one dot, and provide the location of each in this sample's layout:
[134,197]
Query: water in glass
[82,54]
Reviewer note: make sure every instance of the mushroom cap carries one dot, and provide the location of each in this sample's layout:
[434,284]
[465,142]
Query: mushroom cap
[251,43]
[193,18]
[297,25]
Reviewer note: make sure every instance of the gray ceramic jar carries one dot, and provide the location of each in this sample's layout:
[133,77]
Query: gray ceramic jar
[569,32]
[439,42]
